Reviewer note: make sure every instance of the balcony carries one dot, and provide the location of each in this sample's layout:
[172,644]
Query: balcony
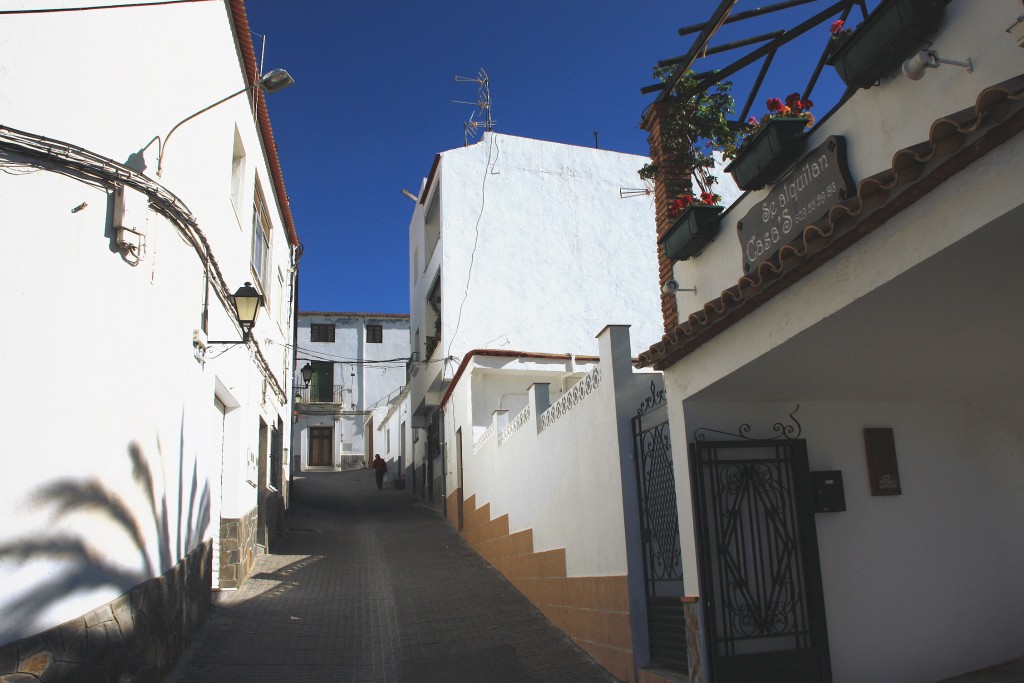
[319,394]
[431,344]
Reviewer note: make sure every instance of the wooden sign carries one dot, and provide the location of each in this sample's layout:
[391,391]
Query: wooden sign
[883,471]
[818,182]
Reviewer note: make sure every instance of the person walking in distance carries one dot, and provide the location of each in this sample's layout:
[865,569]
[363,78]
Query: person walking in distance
[380,468]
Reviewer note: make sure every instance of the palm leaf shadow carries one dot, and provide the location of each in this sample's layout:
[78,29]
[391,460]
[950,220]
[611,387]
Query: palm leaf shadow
[83,565]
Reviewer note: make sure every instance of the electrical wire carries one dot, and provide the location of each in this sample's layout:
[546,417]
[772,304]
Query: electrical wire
[476,239]
[325,355]
[86,166]
[51,10]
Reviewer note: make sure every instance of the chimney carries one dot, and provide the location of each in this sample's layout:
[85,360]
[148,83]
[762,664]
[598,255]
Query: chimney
[674,177]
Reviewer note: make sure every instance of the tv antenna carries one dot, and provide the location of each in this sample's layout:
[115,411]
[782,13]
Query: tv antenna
[646,191]
[483,103]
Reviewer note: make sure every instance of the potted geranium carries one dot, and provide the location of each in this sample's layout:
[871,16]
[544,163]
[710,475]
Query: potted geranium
[696,223]
[697,125]
[889,35]
[772,143]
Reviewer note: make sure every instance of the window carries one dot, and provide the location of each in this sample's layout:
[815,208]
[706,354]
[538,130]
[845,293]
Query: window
[238,175]
[260,242]
[321,333]
[374,334]
[280,297]
[432,226]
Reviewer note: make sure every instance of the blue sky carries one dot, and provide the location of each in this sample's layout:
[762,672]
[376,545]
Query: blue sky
[371,106]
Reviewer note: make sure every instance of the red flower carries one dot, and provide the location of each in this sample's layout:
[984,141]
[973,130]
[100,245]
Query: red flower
[677,206]
[807,104]
[836,27]
[685,201]
[793,101]
[774,104]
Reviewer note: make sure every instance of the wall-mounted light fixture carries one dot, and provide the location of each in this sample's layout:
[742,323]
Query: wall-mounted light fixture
[307,374]
[271,82]
[1016,30]
[248,302]
[915,67]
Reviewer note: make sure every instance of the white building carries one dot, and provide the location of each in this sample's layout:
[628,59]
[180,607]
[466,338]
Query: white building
[519,244]
[876,354]
[357,362]
[134,211]
[521,252]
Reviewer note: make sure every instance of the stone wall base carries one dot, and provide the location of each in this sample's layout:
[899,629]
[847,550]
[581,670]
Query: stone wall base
[694,644]
[237,548]
[136,637]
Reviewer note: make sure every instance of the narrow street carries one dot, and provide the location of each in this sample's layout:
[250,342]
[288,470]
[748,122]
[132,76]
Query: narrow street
[368,585]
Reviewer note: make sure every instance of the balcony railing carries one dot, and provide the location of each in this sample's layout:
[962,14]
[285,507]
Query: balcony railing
[319,394]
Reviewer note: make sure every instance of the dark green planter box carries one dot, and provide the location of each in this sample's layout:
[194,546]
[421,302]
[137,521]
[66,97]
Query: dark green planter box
[691,232]
[769,153]
[890,34]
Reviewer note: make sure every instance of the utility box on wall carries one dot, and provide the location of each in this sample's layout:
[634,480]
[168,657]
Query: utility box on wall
[828,491]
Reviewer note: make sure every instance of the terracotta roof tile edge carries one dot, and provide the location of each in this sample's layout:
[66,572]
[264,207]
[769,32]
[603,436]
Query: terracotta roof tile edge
[248,53]
[954,141]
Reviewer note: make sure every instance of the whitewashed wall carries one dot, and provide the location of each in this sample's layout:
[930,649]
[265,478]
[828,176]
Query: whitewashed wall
[114,459]
[564,482]
[364,382]
[556,253]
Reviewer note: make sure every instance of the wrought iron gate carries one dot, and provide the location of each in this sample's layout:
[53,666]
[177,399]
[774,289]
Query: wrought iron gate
[659,524]
[760,578]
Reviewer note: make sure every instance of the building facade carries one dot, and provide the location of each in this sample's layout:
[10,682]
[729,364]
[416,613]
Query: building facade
[518,244]
[849,500]
[356,363]
[521,253]
[162,472]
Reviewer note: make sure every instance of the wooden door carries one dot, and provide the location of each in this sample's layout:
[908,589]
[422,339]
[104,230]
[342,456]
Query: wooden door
[320,442]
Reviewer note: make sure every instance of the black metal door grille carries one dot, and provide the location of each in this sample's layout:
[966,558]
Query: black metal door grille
[761,581]
[659,522]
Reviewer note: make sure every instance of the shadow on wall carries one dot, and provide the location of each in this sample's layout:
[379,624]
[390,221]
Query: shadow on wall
[84,566]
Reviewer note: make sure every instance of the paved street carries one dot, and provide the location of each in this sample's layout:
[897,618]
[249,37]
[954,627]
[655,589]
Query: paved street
[370,586]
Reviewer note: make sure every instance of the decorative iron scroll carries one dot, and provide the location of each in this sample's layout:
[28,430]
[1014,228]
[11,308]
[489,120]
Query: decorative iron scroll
[515,424]
[779,429]
[655,400]
[488,433]
[659,517]
[571,398]
[755,505]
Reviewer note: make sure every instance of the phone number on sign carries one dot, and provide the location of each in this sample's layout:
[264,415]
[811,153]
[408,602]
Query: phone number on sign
[777,211]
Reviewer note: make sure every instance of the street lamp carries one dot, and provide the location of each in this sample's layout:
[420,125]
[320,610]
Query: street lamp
[248,302]
[307,373]
[271,82]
